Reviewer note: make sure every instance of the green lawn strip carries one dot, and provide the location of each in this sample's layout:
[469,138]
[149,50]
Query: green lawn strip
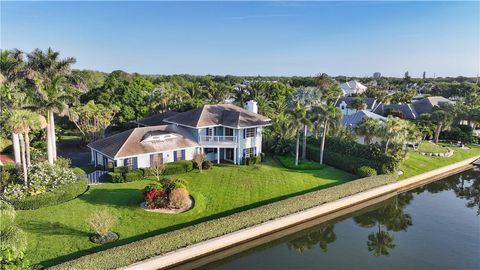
[429,147]
[289,163]
[416,163]
[60,233]
[124,255]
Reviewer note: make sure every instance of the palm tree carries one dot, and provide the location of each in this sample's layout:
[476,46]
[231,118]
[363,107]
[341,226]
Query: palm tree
[21,122]
[326,116]
[369,128]
[55,88]
[299,115]
[358,104]
[442,119]
[394,130]
[12,73]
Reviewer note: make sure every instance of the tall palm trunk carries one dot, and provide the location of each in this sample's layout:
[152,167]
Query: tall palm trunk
[16,148]
[437,131]
[24,162]
[27,149]
[49,140]
[322,144]
[304,145]
[297,146]
[386,146]
[54,137]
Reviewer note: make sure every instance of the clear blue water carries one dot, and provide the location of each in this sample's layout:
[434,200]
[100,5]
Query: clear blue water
[436,226]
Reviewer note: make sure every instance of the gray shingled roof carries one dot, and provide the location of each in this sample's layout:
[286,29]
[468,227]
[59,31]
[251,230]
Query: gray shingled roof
[223,114]
[354,119]
[427,104]
[370,102]
[406,109]
[129,143]
[156,119]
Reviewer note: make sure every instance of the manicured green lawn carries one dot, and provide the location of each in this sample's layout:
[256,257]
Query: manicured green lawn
[60,233]
[429,147]
[417,164]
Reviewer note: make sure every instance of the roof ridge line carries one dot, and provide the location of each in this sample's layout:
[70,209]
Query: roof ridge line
[121,147]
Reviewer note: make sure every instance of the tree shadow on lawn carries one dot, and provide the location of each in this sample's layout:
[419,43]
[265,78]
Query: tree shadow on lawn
[53,228]
[126,197]
[106,200]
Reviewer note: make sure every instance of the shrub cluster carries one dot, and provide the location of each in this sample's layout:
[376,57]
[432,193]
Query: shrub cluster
[124,174]
[140,250]
[366,171]
[169,193]
[43,177]
[289,163]
[59,195]
[253,160]
[177,167]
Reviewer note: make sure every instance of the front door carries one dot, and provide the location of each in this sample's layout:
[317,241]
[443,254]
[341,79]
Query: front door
[229,154]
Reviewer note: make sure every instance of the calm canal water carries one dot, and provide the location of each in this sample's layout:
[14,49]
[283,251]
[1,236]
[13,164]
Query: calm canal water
[436,226]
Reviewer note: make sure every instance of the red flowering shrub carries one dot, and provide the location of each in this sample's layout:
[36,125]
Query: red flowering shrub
[156,198]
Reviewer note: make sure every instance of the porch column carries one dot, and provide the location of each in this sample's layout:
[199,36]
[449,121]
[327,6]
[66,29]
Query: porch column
[234,155]
[218,155]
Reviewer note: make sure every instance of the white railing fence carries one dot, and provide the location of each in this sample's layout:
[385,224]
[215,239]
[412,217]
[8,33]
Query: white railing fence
[218,139]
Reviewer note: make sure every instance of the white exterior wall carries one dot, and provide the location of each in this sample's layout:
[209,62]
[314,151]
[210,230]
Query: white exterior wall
[249,142]
[361,140]
[143,161]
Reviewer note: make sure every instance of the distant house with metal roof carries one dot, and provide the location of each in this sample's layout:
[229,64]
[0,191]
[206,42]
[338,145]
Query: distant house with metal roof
[412,111]
[222,132]
[353,120]
[345,104]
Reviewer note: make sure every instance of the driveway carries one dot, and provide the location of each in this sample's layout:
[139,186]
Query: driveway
[73,149]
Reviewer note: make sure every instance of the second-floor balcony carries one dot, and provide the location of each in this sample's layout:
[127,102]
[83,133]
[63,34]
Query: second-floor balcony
[218,140]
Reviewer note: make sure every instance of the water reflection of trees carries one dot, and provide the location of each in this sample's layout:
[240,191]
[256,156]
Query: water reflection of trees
[465,185]
[390,216]
[321,235]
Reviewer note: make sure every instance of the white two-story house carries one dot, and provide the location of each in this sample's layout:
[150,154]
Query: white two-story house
[224,133]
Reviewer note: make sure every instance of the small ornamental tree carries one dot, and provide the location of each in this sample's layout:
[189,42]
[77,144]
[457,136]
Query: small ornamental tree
[199,159]
[157,169]
[101,222]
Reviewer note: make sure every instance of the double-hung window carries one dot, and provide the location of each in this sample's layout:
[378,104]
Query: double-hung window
[129,163]
[250,132]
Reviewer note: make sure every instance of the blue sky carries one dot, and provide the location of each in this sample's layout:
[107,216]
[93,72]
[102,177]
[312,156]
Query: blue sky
[253,38]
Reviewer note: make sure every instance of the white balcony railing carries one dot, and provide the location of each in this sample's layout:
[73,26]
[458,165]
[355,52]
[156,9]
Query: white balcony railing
[218,140]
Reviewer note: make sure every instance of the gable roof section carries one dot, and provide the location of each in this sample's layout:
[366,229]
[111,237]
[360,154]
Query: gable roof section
[223,114]
[354,119]
[406,109]
[427,104]
[130,142]
[370,102]
[352,86]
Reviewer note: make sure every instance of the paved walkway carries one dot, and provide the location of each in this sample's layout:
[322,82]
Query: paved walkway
[229,240]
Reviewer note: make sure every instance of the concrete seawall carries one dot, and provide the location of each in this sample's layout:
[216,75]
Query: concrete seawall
[332,209]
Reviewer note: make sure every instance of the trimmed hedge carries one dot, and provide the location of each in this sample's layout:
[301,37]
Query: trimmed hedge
[133,175]
[366,171]
[143,249]
[181,166]
[59,195]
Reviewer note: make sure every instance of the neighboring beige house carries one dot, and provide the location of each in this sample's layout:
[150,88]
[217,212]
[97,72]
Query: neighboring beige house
[225,133]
